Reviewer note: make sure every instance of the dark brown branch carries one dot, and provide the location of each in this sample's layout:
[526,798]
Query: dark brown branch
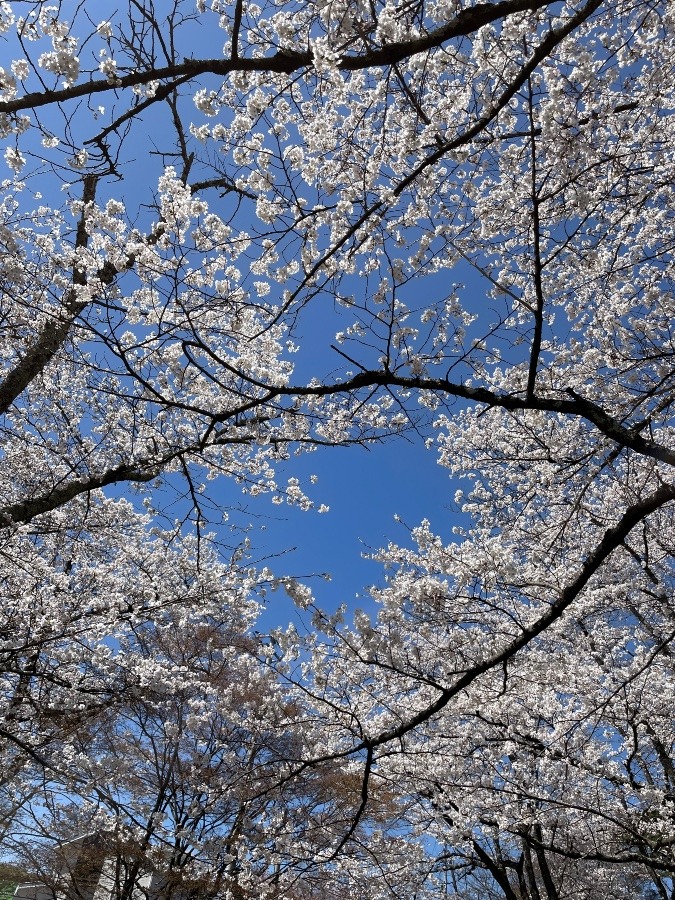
[664,864]
[546,876]
[236,28]
[496,871]
[225,184]
[576,406]
[55,331]
[612,539]
[27,509]
[466,22]
[160,94]
[528,867]
[548,44]
[536,260]
[358,815]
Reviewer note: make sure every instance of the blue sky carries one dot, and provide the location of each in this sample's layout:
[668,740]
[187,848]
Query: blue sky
[364,489]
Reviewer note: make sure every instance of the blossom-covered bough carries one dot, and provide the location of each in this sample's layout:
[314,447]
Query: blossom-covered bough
[474,203]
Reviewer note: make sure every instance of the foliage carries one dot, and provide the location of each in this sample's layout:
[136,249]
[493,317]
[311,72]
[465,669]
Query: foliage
[241,181]
[10,876]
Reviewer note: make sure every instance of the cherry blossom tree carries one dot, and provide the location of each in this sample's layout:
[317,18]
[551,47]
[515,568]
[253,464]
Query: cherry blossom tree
[189,778]
[199,194]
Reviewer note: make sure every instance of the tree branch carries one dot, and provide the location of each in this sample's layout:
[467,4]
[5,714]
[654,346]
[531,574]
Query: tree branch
[466,22]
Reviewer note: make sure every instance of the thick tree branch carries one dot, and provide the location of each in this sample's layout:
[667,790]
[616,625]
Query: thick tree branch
[27,509]
[497,872]
[612,539]
[577,406]
[536,255]
[466,22]
[55,331]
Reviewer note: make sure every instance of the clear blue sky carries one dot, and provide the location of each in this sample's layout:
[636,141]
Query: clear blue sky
[365,489]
